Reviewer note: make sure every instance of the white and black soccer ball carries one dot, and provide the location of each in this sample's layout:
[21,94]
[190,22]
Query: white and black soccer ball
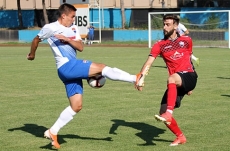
[96,81]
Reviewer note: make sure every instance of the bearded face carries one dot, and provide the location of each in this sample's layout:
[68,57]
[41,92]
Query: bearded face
[168,33]
[169,28]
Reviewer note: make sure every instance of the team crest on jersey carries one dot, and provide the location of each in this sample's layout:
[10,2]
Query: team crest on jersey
[181,43]
[74,30]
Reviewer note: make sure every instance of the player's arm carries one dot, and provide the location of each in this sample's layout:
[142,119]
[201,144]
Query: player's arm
[155,51]
[184,29]
[76,44]
[186,32]
[33,48]
[148,63]
[45,33]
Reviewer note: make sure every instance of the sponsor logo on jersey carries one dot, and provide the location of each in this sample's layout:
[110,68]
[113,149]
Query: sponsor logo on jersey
[177,55]
[167,47]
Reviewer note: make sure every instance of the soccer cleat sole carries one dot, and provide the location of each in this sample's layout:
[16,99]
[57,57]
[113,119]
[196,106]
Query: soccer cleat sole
[177,144]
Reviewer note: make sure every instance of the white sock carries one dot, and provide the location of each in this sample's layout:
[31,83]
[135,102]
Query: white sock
[65,117]
[170,111]
[118,75]
[194,58]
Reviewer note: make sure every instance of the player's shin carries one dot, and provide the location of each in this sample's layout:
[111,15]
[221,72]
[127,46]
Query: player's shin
[65,117]
[118,75]
[174,127]
[171,97]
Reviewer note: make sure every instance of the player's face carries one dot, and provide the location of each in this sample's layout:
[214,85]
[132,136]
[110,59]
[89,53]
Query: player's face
[169,27]
[68,19]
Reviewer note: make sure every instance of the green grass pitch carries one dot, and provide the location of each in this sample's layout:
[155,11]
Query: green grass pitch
[115,117]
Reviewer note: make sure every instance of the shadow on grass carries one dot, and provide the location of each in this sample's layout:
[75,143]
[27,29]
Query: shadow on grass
[222,78]
[225,95]
[148,133]
[38,131]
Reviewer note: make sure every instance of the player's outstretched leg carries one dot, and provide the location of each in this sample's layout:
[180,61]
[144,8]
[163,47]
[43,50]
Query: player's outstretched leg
[118,75]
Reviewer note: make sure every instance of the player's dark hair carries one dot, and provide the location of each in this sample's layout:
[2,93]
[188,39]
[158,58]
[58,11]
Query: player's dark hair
[175,18]
[65,9]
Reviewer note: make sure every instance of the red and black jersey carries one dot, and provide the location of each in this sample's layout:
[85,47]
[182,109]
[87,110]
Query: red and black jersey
[176,53]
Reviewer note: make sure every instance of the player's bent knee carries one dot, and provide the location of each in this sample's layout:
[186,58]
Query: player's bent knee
[171,80]
[98,65]
[76,102]
[77,109]
[96,68]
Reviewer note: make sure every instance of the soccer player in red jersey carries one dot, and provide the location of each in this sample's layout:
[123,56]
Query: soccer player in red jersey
[176,51]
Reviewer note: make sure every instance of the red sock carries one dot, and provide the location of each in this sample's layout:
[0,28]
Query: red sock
[174,128]
[171,96]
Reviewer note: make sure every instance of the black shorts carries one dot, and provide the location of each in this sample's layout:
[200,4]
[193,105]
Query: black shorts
[189,81]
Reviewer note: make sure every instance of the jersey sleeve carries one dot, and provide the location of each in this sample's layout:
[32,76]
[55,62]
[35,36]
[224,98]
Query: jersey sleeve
[46,32]
[155,51]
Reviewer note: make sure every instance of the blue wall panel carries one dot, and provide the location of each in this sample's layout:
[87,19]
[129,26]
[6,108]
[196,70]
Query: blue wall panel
[27,35]
[226,37]
[157,34]
[9,18]
[136,35]
[130,35]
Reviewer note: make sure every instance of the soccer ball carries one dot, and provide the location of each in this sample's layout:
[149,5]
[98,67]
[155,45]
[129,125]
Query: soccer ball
[96,81]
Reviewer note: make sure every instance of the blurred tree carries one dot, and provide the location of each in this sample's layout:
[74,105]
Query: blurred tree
[44,12]
[123,14]
[19,15]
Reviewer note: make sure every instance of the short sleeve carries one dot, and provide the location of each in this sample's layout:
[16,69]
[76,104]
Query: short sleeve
[155,51]
[46,32]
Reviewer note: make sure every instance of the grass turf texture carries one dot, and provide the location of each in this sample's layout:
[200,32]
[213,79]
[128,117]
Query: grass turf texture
[115,117]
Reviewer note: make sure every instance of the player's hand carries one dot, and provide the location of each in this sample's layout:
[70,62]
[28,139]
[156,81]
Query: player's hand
[189,93]
[138,87]
[30,56]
